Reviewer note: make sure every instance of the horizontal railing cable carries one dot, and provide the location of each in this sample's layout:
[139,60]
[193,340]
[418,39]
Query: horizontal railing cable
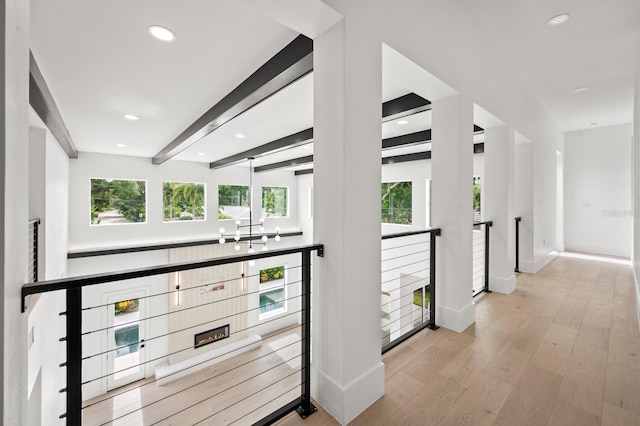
[406,255]
[391,332]
[190,367]
[86,333]
[397,278]
[182,290]
[184,329]
[401,287]
[405,245]
[265,404]
[227,407]
[176,352]
[204,381]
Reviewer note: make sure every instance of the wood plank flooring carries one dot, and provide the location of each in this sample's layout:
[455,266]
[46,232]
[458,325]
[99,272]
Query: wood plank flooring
[563,349]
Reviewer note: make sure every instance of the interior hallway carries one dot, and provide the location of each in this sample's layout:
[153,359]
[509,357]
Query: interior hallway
[563,349]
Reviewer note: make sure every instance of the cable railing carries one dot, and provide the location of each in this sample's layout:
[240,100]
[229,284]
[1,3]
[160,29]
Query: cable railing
[517,257]
[408,292]
[32,249]
[481,257]
[199,342]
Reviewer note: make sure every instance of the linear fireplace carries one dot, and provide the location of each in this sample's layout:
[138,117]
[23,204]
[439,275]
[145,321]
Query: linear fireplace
[210,336]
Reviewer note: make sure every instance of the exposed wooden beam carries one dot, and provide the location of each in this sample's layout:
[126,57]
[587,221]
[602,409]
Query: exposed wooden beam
[288,65]
[286,142]
[283,164]
[408,139]
[303,172]
[426,155]
[43,104]
[403,106]
[478,148]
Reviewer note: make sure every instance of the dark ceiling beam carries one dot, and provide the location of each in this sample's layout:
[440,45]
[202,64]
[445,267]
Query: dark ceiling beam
[408,139]
[478,148]
[281,144]
[283,164]
[288,65]
[477,129]
[404,106]
[43,104]
[303,172]
[426,155]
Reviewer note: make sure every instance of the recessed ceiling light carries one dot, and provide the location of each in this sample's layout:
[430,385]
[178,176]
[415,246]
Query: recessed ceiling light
[580,89]
[161,33]
[558,20]
[306,147]
[402,122]
[239,136]
[201,154]
[120,145]
[131,117]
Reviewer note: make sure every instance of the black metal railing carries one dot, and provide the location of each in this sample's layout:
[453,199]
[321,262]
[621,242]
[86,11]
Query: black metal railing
[517,259]
[32,249]
[259,385]
[481,257]
[408,292]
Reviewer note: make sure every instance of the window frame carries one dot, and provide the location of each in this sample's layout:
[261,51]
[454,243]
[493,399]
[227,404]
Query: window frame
[263,211]
[270,286]
[204,200]
[218,202]
[146,202]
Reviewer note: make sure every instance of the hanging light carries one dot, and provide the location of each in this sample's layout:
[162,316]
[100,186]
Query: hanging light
[237,233]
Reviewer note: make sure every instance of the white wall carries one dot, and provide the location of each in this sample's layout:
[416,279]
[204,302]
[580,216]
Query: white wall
[82,235]
[48,201]
[523,201]
[597,202]
[305,207]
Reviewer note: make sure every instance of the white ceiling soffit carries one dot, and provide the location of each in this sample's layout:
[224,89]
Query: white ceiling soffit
[414,123]
[484,119]
[100,63]
[308,17]
[403,72]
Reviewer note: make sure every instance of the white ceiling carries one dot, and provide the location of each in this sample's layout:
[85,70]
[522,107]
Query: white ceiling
[100,63]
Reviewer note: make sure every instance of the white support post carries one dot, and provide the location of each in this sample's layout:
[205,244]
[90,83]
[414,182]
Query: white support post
[452,209]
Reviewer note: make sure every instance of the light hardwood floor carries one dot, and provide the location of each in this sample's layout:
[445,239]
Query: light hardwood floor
[563,349]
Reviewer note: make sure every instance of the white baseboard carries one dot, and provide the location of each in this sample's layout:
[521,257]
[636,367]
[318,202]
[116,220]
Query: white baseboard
[637,289]
[532,267]
[345,404]
[502,285]
[166,373]
[456,320]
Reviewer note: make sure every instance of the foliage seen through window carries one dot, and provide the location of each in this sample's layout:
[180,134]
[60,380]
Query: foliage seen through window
[396,203]
[183,201]
[117,201]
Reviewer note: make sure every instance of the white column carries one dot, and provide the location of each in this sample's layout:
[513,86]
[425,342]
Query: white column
[498,204]
[348,372]
[452,209]
[14,177]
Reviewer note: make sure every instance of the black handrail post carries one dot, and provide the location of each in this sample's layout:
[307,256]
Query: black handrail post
[306,408]
[517,268]
[487,227]
[35,250]
[432,279]
[74,356]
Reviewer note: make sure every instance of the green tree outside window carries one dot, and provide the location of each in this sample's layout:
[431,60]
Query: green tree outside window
[396,202]
[118,201]
[183,201]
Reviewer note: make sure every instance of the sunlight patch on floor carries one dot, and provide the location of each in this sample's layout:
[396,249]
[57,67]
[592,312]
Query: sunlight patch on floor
[596,257]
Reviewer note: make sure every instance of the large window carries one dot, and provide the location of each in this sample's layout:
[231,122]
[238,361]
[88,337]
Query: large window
[233,202]
[118,201]
[396,203]
[477,199]
[183,201]
[272,291]
[274,201]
